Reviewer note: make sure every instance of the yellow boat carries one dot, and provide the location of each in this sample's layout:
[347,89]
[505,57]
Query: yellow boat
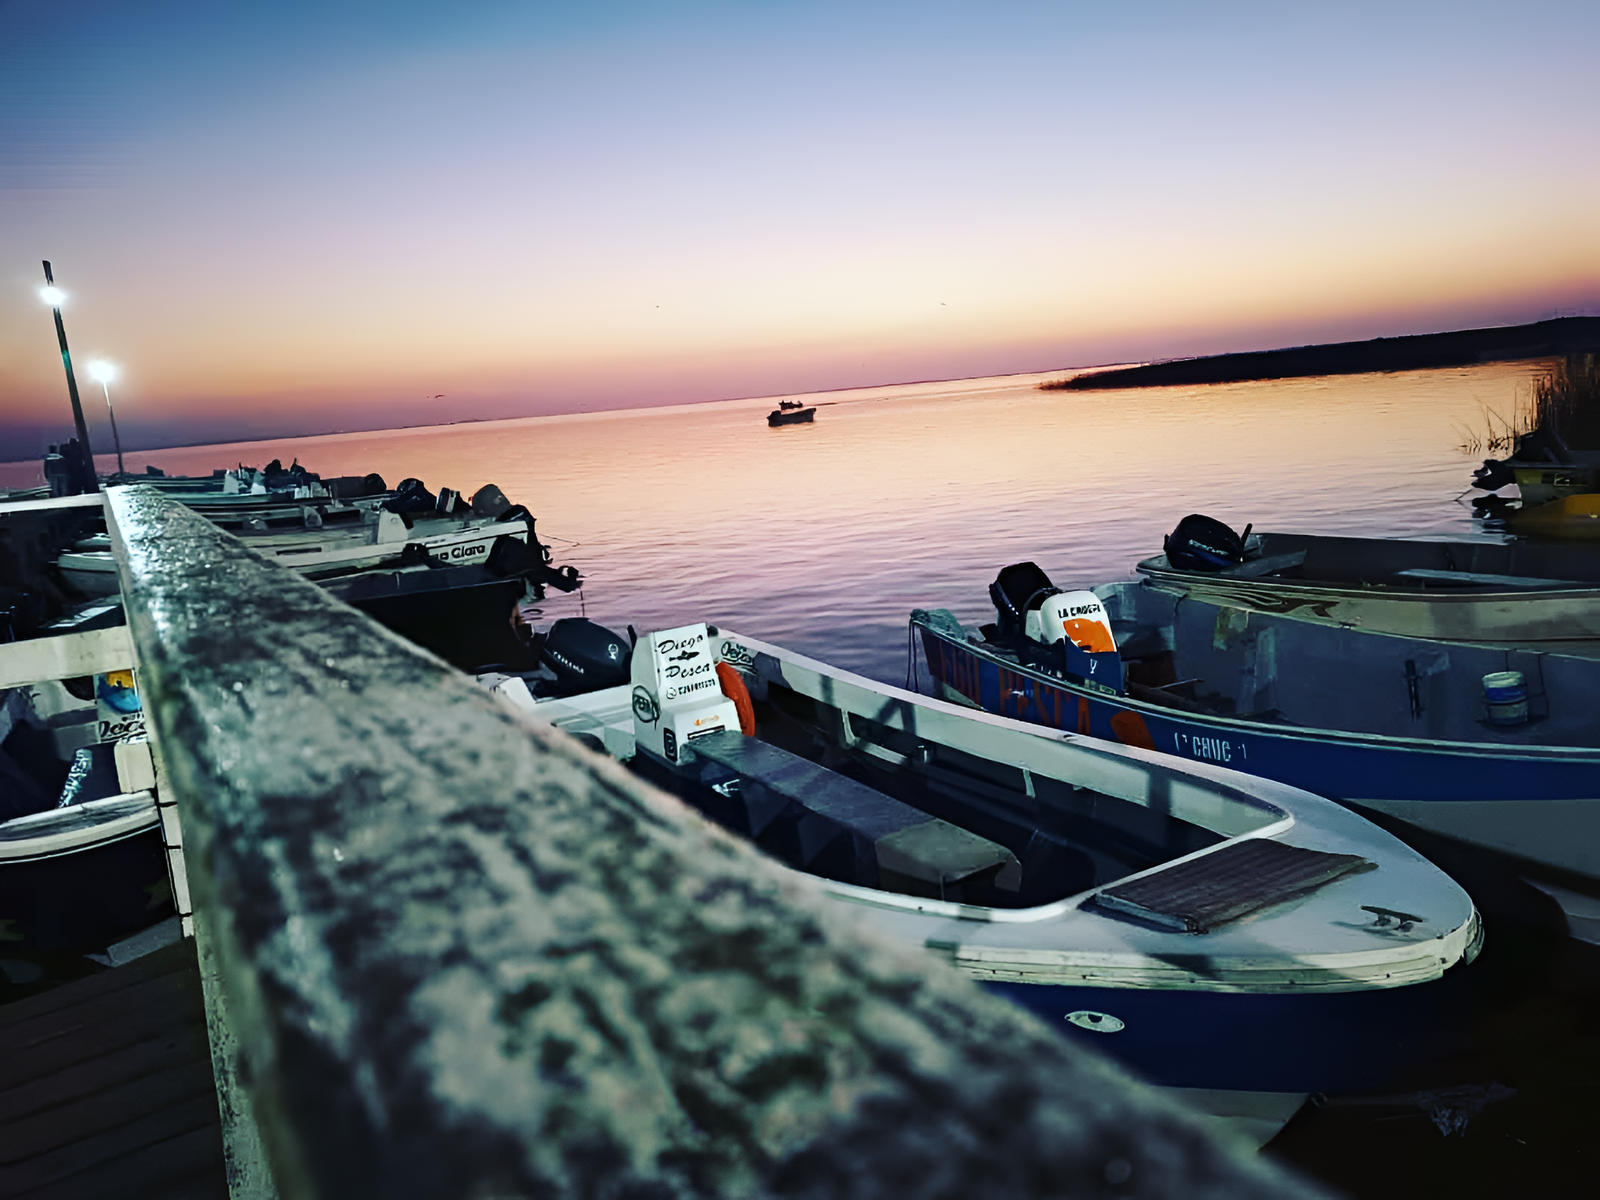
[1575,517]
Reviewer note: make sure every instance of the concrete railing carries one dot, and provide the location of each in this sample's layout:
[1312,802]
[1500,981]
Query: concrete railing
[462,956]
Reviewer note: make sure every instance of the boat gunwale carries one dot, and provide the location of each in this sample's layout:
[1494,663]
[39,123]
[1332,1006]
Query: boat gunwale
[113,828]
[1385,966]
[1241,790]
[97,563]
[1169,578]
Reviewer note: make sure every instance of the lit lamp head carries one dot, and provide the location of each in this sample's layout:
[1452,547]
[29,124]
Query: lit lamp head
[101,371]
[53,296]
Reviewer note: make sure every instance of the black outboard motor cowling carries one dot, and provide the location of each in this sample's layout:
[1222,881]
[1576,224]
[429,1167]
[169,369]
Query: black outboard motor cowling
[411,497]
[1201,543]
[1012,591]
[1493,475]
[586,656]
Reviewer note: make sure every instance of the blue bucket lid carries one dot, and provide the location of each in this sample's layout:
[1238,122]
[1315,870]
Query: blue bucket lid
[1504,685]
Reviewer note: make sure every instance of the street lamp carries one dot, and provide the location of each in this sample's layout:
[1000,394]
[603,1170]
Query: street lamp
[54,296]
[103,373]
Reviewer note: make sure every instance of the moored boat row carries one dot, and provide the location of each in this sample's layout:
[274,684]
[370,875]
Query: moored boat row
[1163,854]
[1344,666]
[86,852]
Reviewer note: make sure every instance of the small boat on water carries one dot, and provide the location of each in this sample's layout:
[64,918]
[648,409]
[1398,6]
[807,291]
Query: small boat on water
[1543,467]
[786,414]
[1478,591]
[1211,930]
[85,856]
[1494,745]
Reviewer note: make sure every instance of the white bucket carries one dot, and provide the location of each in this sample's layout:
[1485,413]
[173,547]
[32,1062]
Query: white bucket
[1505,697]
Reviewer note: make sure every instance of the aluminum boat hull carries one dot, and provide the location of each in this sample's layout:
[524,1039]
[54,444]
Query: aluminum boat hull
[1535,802]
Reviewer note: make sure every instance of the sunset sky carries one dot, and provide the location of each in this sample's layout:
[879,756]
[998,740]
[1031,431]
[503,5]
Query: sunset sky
[301,217]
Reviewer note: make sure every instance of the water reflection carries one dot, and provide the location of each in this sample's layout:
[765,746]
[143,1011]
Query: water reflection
[824,536]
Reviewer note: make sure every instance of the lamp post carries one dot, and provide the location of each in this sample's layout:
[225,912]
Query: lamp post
[53,296]
[103,373]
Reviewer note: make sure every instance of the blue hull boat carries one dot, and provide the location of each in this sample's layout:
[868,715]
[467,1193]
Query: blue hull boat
[1390,724]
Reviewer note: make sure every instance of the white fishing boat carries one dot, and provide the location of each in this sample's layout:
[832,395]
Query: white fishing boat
[1213,931]
[452,584]
[327,548]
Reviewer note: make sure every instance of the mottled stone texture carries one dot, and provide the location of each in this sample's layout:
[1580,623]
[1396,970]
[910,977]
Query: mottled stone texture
[465,957]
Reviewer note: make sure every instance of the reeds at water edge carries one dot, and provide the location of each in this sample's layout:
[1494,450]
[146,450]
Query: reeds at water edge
[1566,401]
[1498,435]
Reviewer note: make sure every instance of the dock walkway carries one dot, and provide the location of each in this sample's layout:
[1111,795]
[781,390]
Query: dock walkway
[106,1087]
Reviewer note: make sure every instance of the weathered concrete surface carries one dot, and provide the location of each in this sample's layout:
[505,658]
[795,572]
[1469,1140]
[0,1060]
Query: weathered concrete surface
[465,957]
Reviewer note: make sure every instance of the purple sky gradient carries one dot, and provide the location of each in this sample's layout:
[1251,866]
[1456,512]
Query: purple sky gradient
[307,217]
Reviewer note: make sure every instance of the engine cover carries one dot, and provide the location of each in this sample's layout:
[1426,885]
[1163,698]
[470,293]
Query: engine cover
[584,656]
[1077,616]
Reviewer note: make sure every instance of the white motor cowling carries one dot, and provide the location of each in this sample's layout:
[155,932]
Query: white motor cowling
[1077,616]
[676,694]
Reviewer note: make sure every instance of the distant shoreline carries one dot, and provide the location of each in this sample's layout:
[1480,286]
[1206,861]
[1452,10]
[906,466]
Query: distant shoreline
[257,438]
[1416,352]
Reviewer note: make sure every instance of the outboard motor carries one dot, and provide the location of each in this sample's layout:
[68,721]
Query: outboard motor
[1202,543]
[1493,476]
[677,696]
[584,656]
[1070,635]
[1065,633]
[411,497]
[1077,616]
[1014,591]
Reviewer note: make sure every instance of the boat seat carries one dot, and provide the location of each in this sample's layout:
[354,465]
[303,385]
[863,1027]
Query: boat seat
[828,824]
[1482,579]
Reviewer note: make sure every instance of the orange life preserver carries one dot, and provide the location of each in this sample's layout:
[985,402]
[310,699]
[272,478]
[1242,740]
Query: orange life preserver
[734,689]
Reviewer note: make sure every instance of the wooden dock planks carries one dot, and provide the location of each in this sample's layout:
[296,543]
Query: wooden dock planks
[106,1087]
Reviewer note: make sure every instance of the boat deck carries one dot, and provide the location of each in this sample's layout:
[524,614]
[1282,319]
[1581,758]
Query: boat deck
[106,1087]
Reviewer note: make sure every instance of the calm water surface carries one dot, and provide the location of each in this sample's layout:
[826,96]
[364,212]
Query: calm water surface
[824,536]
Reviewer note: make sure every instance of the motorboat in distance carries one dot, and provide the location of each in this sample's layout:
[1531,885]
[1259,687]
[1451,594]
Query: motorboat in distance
[791,414]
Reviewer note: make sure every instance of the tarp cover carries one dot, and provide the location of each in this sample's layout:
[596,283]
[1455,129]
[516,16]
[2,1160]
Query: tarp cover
[1205,892]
